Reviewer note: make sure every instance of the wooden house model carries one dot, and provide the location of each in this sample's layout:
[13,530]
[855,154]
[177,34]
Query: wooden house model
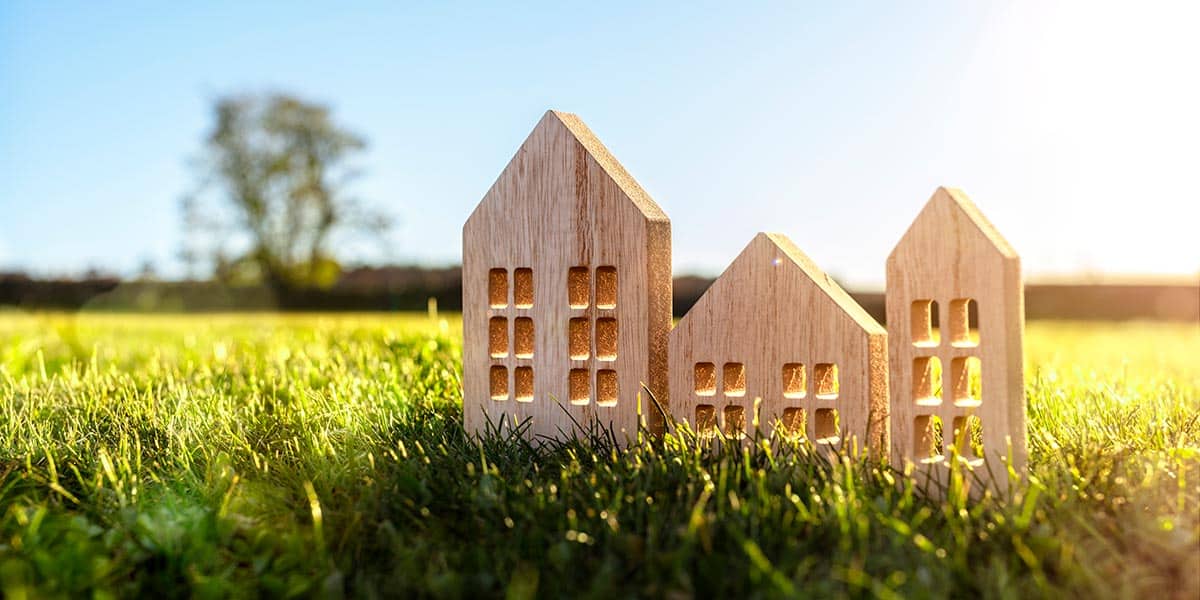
[567,322]
[776,341]
[955,315]
[566,290]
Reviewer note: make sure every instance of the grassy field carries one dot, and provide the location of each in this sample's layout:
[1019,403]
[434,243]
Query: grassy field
[253,455]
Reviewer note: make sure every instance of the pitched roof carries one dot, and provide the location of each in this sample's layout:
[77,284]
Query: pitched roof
[958,200]
[605,159]
[575,127]
[787,252]
[831,288]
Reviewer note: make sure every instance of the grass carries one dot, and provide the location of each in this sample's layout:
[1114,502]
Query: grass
[248,455]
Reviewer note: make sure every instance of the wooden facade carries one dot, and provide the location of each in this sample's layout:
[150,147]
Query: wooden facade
[955,315]
[566,291]
[776,342]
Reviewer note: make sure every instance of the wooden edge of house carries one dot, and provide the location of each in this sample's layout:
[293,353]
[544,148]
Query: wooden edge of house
[615,170]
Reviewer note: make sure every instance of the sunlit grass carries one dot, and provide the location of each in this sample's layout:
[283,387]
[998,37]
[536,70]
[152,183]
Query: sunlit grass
[324,454]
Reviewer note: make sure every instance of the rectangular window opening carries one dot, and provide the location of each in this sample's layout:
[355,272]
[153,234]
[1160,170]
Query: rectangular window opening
[606,339]
[499,383]
[578,287]
[966,375]
[793,422]
[578,387]
[606,387]
[964,323]
[827,426]
[706,420]
[925,332]
[968,439]
[523,337]
[606,287]
[498,288]
[826,380]
[523,382]
[523,288]
[705,379]
[733,378]
[795,383]
[578,339]
[927,381]
[735,420]
[498,337]
[927,439]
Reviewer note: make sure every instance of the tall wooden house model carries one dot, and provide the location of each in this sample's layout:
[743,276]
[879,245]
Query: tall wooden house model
[566,290]
[567,323]
[955,314]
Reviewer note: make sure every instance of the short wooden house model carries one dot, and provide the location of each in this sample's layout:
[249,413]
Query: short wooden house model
[566,290]
[955,314]
[777,339]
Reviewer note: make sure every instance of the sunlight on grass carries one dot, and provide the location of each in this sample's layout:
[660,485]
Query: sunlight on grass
[321,454]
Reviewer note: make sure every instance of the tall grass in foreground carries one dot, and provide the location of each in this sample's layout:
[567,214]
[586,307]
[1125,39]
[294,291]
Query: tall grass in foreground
[324,455]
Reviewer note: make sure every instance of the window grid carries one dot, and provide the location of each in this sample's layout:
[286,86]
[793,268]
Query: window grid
[511,334]
[593,336]
[810,409]
[730,379]
[947,381]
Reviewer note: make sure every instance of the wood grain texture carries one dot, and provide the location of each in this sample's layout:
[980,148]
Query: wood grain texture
[568,241]
[950,254]
[776,334]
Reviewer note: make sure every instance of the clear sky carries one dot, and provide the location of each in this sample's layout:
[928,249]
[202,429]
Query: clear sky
[1074,126]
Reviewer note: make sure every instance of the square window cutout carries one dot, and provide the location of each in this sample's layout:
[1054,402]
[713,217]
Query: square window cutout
[825,376]
[927,381]
[733,378]
[968,439]
[498,382]
[924,318]
[704,378]
[578,387]
[606,287]
[606,387]
[793,422]
[498,337]
[706,419]
[827,426]
[927,439]
[735,420]
[579,287]
[523,381]
[795,381]
[966,375]
[523,337]
[523,288]
[964,319]
[497,288]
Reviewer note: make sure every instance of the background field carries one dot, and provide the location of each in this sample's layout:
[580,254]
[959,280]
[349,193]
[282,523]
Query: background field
[315,454]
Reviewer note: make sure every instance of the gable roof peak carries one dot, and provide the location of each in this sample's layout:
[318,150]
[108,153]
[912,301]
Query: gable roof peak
[787,252]
[958,201]
[614,169]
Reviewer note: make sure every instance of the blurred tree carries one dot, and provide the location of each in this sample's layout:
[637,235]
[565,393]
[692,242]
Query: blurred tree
[272,193]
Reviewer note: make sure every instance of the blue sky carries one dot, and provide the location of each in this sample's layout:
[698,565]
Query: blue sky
[1073,126]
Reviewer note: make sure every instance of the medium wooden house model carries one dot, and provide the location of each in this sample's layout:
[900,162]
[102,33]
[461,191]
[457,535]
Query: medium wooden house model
[566,290]
[776,341]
